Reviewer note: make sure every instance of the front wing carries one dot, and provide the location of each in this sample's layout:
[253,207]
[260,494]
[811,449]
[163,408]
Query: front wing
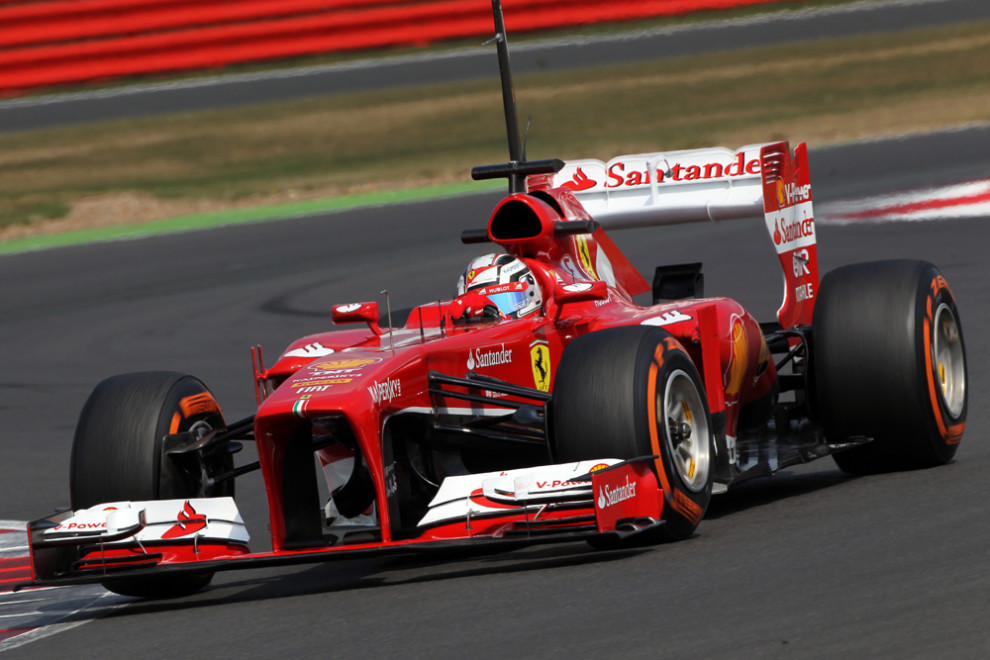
[532,505]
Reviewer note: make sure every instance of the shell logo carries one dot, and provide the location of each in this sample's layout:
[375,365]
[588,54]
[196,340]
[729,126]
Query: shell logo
[738,359]
[346,364]
[781,194]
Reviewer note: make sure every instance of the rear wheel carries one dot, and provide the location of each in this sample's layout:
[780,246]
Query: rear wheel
[889,363]
[117,455]
[634,391]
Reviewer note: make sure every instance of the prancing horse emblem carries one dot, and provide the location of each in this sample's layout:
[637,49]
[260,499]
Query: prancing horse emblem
[539,353]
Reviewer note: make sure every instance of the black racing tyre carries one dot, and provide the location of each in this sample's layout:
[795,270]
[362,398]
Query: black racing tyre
[634,391]
[117,455]
[889,363]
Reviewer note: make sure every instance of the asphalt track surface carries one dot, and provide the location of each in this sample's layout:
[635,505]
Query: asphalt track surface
[874,16]
[811,563]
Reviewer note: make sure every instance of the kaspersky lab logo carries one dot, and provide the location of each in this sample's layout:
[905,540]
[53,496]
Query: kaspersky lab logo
[611,496]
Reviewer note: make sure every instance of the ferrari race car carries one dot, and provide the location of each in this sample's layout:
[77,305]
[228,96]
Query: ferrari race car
[541,403]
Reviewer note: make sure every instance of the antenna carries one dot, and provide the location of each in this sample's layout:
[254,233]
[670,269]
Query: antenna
[518,168]
[508,90]
[529,121]
[388,308]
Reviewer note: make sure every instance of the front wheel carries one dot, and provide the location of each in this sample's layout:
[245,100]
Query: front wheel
[117,455]
[889,363]
[634,391]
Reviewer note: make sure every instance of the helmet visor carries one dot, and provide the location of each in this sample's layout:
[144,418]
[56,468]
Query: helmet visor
[510,302]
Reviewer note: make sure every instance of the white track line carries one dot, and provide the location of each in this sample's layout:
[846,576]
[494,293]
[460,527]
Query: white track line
[44,615]
[969,199]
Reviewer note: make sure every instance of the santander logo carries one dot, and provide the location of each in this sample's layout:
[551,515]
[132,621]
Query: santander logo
[611,496]
[189,522]
[491,358]
[579,182]
[635,172]
[646,169]
[788,232]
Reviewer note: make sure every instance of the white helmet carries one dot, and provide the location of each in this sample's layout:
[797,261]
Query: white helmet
[506,281]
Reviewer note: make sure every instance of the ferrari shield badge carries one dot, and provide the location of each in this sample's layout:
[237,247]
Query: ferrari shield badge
[539,353]
[584,252]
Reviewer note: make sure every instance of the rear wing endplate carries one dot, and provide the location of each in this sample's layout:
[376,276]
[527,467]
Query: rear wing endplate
[711,185]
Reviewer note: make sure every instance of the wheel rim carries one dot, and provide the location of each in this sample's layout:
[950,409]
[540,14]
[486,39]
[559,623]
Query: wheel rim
[950,362]
[687,434]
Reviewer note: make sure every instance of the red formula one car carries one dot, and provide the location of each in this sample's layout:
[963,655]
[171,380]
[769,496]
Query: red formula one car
[541,403]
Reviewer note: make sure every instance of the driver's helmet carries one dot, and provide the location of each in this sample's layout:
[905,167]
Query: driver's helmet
[506,281]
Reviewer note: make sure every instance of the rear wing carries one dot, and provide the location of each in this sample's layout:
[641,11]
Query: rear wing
[711,185]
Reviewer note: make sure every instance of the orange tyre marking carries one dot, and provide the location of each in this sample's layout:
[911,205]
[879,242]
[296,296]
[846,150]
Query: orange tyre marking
[680,502]
[953,434]
[196,404]
[176,420]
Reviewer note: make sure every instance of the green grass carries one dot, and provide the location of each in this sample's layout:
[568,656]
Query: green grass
[235,216]
[822,91]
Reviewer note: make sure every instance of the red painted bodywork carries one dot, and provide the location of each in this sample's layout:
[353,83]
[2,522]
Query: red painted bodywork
[724,340]
[366,375]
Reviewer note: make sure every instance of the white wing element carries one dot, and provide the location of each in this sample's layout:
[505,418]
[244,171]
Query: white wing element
[647,190]
[510,491]
[673,187]
[121,523]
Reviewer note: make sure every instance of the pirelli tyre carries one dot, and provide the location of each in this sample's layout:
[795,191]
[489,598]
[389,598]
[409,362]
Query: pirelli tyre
[889,363]
[634,391]
[117,455]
